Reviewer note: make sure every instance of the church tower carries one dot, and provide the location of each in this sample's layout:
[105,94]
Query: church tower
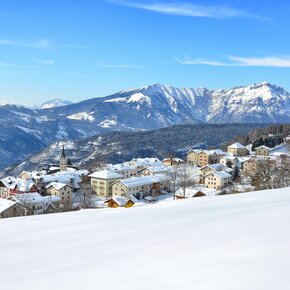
[63,160]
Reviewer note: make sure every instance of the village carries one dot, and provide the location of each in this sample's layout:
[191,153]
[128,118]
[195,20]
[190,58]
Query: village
[63,187]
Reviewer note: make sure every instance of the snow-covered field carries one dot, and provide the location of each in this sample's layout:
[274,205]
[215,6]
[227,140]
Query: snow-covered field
[211,243]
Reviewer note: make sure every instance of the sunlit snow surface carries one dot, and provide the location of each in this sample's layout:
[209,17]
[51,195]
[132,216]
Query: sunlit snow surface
[211,243]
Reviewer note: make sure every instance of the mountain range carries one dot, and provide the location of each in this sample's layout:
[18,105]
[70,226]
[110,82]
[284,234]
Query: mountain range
[115,147]
[24,131]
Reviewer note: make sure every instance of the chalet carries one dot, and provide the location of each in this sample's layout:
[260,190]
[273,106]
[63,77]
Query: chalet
[262,151]
[101,181]
[120,201]
[142,186]
[9,208]
[63,191]
[237,149]
[217,180]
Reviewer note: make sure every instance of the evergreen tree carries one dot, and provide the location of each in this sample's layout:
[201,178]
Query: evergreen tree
[236,174]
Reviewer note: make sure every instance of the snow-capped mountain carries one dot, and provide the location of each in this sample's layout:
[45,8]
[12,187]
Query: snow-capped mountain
[25,131]
[54,103]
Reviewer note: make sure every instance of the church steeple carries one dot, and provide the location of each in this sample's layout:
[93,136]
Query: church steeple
[62,153]
[63,160]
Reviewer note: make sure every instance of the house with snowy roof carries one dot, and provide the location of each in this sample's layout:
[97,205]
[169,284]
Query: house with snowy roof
[205,170]
[154,170]
[262,151]
[10,208]
[217,179]
[125,169]
[101,181]
[32,200]
[120,201]
[141,186]
[238,149]
[63,191]
[10,186]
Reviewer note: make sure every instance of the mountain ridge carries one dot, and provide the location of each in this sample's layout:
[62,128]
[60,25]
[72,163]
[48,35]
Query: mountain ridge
[25,131]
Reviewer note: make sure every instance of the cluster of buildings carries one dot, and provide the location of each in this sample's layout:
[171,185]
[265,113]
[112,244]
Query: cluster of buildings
[48,191]
[217,167]
[123,185]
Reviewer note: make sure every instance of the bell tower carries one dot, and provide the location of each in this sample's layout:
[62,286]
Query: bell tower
[63,160]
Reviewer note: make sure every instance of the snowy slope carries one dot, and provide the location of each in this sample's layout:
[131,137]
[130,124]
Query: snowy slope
[217,243]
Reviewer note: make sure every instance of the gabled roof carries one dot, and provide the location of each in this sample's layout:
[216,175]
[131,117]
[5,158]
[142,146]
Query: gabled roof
[144,180]
[6,204]
[120,200]
[29,198]
[106,174]
[237,146]
[221,174]
[262,147]
[57,185]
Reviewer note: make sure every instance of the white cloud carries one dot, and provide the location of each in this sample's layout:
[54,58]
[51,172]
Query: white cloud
[187,9]
[235,61]
[43,43]
[261,61]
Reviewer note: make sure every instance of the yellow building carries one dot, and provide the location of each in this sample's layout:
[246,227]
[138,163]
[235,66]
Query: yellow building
[217,180]
[101,181]
[262,151]
[238,149]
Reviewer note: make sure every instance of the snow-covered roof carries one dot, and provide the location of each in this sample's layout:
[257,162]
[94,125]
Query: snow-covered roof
[145,161]
[221,174]
[144,180]
[106,174]
[51,198]
[9,182]
[191,192]
[237,146]
[5,204]
[219,151]
[57,185]
[155,169]
[120,200]
[121,167]
[67,177]
[262,147]
[29,198]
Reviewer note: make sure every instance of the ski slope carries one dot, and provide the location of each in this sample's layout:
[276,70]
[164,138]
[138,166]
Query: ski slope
[230,242]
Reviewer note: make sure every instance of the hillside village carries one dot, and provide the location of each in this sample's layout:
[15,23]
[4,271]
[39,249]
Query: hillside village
[140,181]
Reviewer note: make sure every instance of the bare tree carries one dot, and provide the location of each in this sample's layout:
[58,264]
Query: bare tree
[265,175]
[184,177]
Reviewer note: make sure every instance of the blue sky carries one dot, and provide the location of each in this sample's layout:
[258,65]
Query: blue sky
[80,49]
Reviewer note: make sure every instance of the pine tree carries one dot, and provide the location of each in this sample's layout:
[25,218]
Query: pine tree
[236,174]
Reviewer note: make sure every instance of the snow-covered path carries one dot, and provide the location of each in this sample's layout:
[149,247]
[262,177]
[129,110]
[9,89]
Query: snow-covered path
[215,243]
